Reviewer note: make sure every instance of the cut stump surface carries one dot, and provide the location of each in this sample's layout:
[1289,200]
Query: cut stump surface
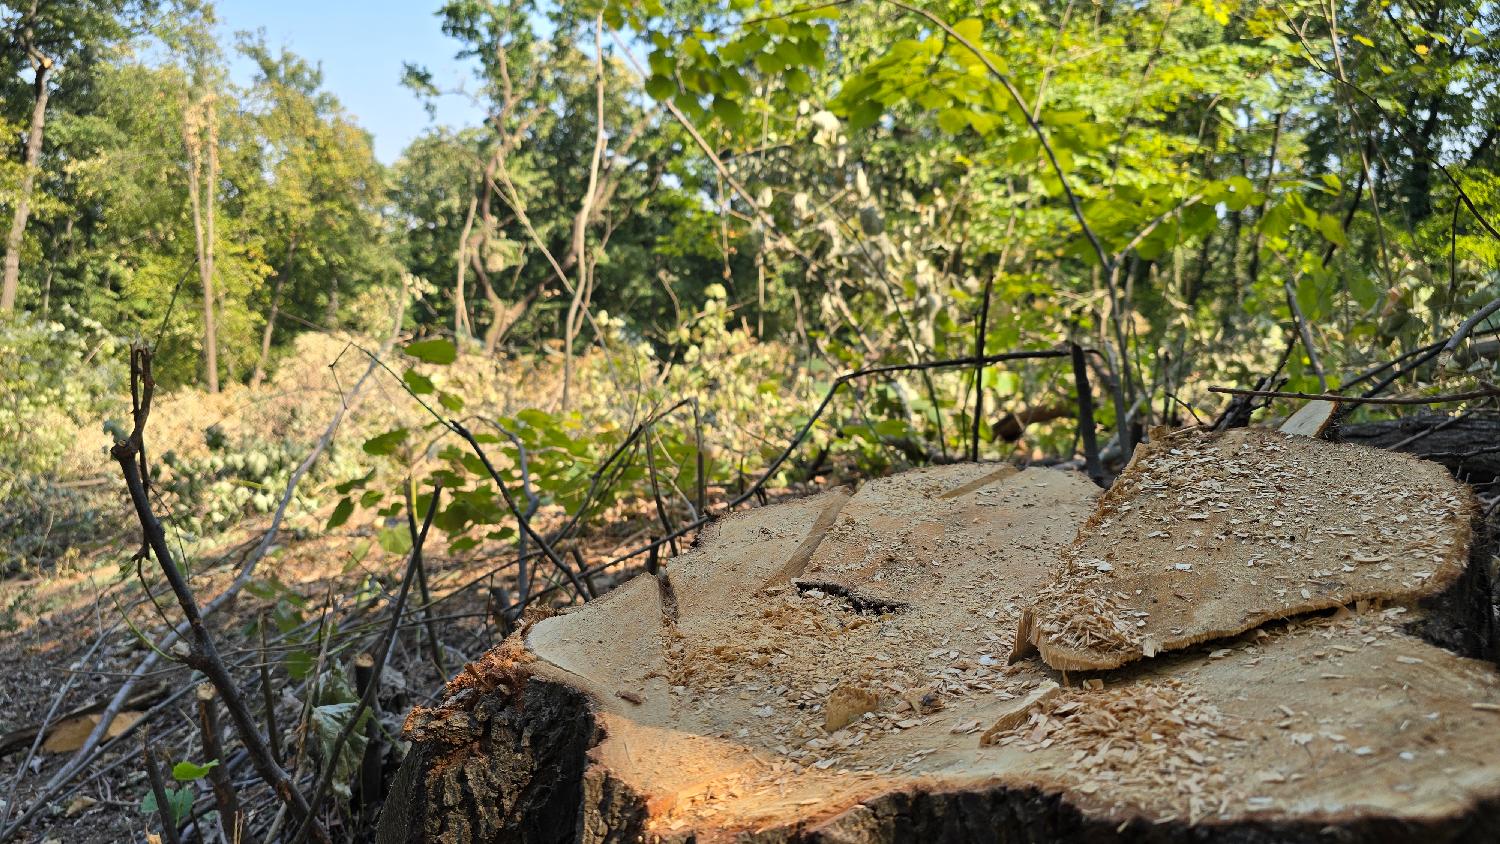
[1206,535]
[836,672]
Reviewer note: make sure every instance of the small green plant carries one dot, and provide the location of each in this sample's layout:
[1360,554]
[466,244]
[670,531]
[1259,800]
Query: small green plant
[180,799]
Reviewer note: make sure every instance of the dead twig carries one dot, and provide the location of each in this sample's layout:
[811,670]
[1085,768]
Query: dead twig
[91,745]
[525,523]
[700,482]
[202,653]
[1305,331]
[1467,327]
[1433,429]
[434,645]
[661,506]
[755,489]
[273,732]
[1123,387]
[218,776]
[370,781]
[1086,415]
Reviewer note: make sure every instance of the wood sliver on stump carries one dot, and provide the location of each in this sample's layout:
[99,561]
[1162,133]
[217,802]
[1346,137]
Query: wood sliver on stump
[839,669]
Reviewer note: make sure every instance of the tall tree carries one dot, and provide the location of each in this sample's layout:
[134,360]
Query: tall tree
[316,205]
[49,38]
[201,135]
[41,67]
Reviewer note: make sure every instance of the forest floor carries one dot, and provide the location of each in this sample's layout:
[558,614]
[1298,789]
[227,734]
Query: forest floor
[55,644]
[67,641]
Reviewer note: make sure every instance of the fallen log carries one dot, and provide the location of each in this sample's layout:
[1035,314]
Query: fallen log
[1469,445]
[833,669]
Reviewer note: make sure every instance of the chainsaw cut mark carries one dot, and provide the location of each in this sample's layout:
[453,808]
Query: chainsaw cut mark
[796,563]
[998,475]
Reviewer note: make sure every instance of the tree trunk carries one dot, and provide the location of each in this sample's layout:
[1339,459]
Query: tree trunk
[578,307]
[1419,177]
[203,159]
[1260,211]
[503,317]
[331,313]
[11,284]
[265,336]
[461,325]
[831,669]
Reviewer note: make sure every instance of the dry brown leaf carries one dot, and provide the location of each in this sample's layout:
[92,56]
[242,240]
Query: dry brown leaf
[70,735]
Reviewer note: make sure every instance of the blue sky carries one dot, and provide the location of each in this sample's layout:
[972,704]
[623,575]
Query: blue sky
[361,47]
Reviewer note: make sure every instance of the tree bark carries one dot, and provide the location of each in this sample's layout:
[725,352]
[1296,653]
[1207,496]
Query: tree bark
[503,317]
[10,286]
[1419,177]
[461,325]
[583,290]
[1469,445]
[203,157]
[1260,212]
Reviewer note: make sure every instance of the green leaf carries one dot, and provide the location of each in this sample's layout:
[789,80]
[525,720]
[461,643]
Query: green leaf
[386,443]
[185,771]
[436,350]
[1363,289]
[179,801]
[395,540]
[354,483]
[539,419]
[417,382]
[729,112]
[462,544]
[953,120]
[661,87]
[1277,220]
[299,664]
[328,722]
[341,513]
[1333,230]
[357,555]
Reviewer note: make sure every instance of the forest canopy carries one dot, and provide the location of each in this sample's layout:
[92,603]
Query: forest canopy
[1180,184]
[739,200]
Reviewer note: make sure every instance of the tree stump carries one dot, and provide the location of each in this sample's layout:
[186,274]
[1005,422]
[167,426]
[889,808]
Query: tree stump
[834,669]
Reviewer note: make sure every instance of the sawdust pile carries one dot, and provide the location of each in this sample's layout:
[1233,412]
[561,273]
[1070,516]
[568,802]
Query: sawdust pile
[1159,736]
[783,664]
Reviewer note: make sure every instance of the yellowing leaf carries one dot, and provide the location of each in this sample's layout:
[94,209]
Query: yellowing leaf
[969,29]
